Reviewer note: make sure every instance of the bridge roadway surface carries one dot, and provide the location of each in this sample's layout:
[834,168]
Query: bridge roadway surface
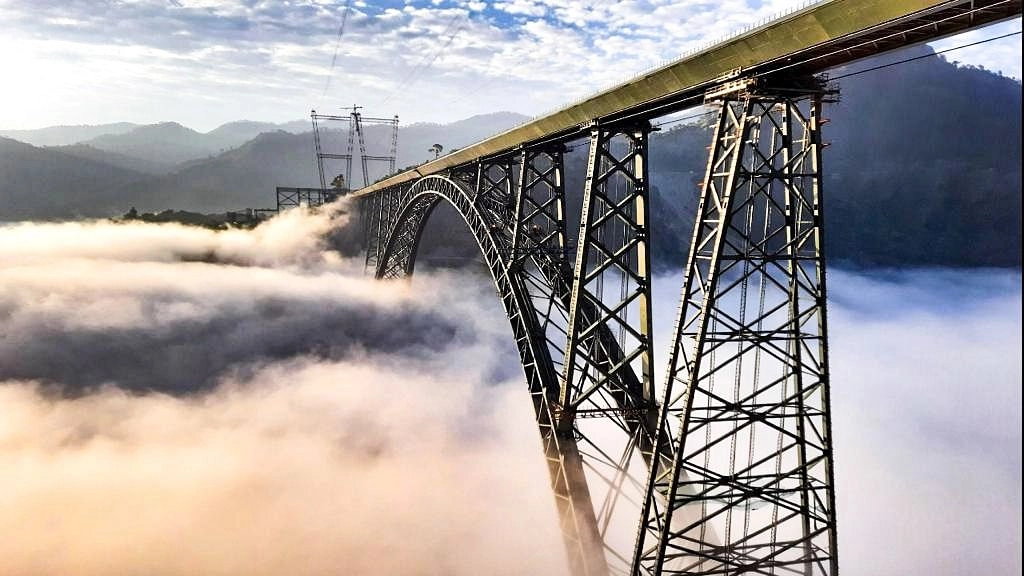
[810,40]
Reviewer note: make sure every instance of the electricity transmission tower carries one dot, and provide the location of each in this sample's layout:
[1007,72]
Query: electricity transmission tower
[356,122]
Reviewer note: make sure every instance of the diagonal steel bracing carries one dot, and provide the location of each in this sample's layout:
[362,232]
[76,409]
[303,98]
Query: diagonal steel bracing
[747,389]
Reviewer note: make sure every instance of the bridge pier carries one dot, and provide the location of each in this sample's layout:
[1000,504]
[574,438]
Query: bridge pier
[747,391]
[381,213]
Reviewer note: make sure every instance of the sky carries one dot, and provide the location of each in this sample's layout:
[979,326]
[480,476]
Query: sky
[206,62]
[185,401]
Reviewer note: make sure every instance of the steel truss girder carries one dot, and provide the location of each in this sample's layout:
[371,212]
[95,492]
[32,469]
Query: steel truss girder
[495,191]
[540,207]
[749,356]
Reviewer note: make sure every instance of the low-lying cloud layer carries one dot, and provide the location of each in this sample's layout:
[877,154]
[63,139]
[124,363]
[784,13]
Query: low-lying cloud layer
[179,401]
[305,468]
[299,419]
[171,308]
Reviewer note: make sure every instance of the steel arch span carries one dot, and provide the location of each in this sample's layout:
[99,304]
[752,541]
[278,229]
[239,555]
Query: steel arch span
[412,206]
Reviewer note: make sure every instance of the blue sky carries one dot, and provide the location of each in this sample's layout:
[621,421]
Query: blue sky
[206,62]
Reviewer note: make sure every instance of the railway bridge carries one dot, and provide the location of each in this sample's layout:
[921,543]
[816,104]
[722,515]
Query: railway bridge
[725,465]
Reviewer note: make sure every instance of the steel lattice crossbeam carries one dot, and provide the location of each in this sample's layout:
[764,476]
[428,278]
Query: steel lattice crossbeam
[296,197]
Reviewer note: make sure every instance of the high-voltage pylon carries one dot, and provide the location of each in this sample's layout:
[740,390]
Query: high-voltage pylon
[355,133]
[747,392]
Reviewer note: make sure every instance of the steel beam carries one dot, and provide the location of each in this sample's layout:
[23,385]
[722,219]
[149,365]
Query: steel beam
[747,389]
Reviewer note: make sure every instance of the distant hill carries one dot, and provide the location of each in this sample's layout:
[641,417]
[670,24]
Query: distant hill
[41,183]
[114,159]
[244,177]
[165,143]
[925,167]
[241,177]
[65,135]
[234,134]
[160,147]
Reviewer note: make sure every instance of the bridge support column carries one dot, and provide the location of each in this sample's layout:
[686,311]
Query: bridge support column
[370,212]
[747,392]
[611,281]
[381,215]
[606,390]
[537,257]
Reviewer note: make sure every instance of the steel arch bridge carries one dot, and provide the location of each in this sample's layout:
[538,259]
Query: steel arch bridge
[724,466]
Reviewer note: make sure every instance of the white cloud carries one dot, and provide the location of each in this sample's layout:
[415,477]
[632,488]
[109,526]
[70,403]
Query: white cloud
[88,62]
[302,469]
[522,7]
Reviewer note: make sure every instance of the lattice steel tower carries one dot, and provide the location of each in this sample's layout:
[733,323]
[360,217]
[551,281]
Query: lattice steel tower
[749,485]
[356,133]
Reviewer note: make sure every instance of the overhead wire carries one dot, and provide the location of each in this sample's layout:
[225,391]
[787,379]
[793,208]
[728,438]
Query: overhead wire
[923,56]
[337,47]
[427,61]
[683,119]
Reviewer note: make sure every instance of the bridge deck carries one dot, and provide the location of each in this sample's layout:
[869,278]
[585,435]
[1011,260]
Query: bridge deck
[809,40]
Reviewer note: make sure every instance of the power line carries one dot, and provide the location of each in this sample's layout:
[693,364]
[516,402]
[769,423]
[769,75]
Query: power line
[873,68]
[337,46]
[427,61]
[683,119]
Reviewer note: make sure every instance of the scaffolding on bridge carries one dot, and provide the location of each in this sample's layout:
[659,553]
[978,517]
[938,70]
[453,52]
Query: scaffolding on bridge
[304,197]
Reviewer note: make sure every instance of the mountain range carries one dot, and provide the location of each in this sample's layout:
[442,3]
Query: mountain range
[924,168]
